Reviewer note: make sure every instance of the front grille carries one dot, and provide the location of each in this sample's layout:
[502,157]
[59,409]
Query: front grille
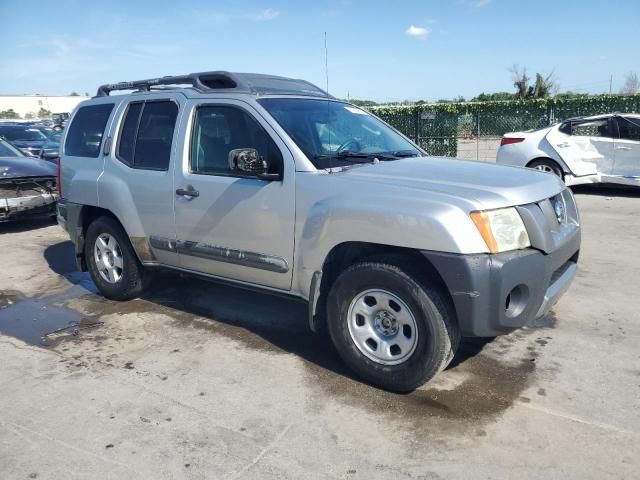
[27,187]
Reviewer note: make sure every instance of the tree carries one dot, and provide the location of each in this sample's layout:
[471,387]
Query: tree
[44,113]
[9,114]
[542,88]
[631,84]
[29,116]
[74,94]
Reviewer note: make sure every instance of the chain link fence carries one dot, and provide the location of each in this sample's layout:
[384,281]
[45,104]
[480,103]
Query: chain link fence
[473,131]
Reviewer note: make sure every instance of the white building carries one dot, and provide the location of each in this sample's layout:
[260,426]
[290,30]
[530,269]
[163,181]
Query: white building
[24,105]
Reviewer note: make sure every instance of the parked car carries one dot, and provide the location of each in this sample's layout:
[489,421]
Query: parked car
[27,185]
[268,182]
[597,149]
[27,138]
[50,150]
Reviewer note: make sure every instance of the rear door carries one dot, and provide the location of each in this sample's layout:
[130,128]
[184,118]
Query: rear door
[586,146]
[237,227]
[82,159]
[627,147]
[137,184]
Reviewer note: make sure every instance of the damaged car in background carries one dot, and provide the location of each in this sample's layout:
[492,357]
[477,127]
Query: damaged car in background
[28,186]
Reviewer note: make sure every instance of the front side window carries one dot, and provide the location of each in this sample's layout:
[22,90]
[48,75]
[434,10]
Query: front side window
[147,134]
[86,131]
[629,128]
[219,129]
[333,133]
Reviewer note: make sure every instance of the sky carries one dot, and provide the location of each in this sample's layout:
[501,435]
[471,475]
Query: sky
[378,50]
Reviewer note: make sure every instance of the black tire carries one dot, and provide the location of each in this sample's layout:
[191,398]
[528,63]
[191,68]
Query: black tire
[542,163]
[134,278]
[438,335]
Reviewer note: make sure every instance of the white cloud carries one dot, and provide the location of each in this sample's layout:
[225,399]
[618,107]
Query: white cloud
[267,15]
[481,3]
[418,32]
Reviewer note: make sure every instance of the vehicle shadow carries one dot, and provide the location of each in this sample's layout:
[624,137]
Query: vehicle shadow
[278,324]
[607,190]
[24,225]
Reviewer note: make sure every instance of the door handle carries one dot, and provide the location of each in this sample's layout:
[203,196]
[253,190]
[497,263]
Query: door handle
[623,148]
[562,145]
[188,192]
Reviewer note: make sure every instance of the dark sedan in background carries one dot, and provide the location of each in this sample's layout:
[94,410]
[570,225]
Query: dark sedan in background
[25,137]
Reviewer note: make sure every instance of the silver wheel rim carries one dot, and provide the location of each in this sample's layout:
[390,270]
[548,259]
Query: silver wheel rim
[108,257]
[382,326]
[544,168]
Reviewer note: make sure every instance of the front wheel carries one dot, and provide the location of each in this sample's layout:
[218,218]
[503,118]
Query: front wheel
[390,325]
[112,262]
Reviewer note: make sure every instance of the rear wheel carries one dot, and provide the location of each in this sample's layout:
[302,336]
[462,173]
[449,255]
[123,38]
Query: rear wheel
[547,166]
[391,326]
[112,262]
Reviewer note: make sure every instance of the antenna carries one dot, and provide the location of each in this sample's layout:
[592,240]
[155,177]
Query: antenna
[326,62]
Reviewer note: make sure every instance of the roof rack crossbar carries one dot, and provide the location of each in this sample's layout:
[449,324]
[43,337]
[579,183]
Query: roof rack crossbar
[219,81]
[196,80]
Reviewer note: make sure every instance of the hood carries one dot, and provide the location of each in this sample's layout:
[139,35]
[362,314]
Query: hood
[17,167]
[485,185]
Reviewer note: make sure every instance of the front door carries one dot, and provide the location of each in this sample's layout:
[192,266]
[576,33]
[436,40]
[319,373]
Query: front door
[627,147]
[232,225]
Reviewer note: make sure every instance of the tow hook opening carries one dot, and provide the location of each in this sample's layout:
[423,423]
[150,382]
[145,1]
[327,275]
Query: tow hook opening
[516,301]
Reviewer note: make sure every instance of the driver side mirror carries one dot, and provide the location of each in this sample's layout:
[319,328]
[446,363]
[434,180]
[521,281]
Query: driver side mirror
[247,160]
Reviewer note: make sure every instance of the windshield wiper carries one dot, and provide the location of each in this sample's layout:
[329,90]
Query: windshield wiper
[343,154]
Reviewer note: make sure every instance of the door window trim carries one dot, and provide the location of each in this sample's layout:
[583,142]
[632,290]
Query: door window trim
[229,173]
[135,137]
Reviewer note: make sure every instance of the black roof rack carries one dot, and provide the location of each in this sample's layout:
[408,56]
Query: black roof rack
[252,83]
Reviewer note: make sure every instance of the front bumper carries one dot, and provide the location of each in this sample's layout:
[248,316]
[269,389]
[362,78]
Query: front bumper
[495,294]
[27,206]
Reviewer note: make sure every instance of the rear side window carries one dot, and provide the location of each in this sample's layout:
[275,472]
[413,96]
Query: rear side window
[147,134]
[86,130]
[587,128]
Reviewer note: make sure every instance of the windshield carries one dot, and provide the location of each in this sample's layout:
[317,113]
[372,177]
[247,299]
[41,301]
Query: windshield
[334,133]
[8,150]
[16,134]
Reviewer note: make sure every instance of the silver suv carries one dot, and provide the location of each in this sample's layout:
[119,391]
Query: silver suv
[270,182]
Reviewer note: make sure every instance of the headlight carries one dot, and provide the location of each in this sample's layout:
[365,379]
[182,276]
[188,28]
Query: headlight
[502,229]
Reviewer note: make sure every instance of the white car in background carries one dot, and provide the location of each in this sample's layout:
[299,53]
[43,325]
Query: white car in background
[598,149]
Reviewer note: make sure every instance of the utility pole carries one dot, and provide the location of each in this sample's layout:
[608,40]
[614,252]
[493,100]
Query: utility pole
[610,83]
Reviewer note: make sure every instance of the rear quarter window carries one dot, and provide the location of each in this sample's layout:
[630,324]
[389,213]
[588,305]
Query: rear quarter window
[86,130]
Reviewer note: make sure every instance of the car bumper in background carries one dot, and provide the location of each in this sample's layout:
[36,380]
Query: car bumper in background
[27,206]
[495,294]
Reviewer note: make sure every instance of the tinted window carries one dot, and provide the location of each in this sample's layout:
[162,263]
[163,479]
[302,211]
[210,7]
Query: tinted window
[218,130]
[629,128]
[86,130]
[128,133]
[147,134]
